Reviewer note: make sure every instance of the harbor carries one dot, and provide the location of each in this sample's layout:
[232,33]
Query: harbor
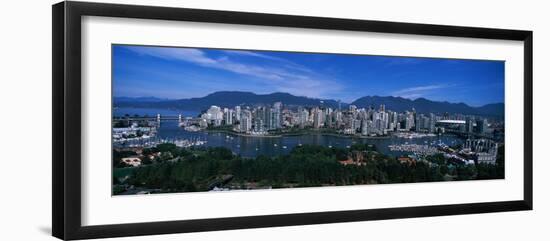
[170,131]
[153,141]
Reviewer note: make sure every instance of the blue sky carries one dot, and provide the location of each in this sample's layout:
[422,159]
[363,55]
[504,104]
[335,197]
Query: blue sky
[177,73]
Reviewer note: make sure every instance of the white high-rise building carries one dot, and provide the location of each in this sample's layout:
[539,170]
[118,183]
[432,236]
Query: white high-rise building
[338,118]
[277,114]
[317,118]
[394,120]
[303,117]
[385,119]
[229,117]
[364,127]
[237,113]
[409,121]
[431,128]
[246,121]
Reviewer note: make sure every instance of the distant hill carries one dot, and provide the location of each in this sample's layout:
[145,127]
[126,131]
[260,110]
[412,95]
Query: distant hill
[233,98]
[423,105]
[138,99]
[496,109]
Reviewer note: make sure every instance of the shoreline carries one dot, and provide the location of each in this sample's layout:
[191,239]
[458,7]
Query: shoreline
[242,134]
[299,134]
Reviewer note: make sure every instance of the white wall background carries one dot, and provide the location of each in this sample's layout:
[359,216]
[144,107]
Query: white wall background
[25,104]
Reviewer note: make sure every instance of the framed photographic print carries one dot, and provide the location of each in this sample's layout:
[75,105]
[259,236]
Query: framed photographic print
[170,120]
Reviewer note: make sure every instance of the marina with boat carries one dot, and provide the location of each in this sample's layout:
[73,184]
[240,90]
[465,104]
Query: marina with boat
[171,131]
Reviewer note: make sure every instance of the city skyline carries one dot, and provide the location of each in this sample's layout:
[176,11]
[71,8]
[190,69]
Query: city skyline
[273,146]
[180,73]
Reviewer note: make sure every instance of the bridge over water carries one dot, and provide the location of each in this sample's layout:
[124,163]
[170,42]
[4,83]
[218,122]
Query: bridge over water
[158,117]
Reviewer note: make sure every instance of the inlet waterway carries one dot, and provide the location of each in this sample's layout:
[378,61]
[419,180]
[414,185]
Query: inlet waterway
[250,146]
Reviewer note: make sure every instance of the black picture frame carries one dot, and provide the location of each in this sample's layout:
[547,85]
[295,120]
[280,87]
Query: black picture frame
[66,75]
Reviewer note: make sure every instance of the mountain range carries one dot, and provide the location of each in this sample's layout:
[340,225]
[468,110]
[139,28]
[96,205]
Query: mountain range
[139,99]
[233,98]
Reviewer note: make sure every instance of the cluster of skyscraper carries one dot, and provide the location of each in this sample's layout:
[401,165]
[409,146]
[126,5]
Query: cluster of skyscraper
[352,121]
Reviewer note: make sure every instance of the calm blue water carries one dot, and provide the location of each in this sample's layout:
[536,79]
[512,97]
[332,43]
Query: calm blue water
[253,146]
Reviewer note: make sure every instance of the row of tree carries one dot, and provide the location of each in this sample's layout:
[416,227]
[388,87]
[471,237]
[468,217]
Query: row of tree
[305,166]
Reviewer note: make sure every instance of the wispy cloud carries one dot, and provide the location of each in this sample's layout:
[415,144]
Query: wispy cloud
[254,54]
[281,74]
[418,91]
[282,61]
